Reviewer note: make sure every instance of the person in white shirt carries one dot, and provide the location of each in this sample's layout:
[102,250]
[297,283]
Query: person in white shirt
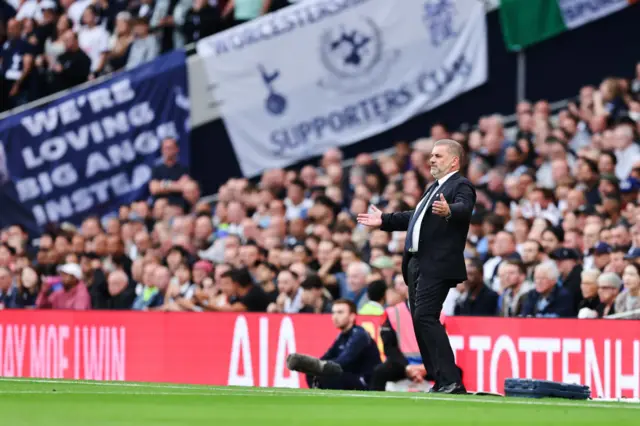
[627,151]
[94,40]
[290,298]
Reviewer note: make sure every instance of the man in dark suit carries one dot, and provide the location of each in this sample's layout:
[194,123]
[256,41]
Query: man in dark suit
[433,260]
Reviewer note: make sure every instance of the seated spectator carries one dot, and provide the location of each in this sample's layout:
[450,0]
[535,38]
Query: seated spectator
[241,293]
[376,293]
[155,285]
[356,285]
[548,299]
[145,47]
[478,299]
[354,350]
[7,288]
[29,285]
[121,293]
[629,299]
[589,288]
[609,285]
[68,292]
[314,299]
[567,261]
[403,359]
[289,300]
[515,286]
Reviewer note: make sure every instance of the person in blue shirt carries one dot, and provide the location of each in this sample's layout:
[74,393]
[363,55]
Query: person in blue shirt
[354,350]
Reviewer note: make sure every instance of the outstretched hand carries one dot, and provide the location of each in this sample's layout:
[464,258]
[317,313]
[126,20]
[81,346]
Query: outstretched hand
[373,219]
[441,207]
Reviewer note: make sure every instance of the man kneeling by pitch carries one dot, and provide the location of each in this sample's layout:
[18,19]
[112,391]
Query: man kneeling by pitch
[349,362]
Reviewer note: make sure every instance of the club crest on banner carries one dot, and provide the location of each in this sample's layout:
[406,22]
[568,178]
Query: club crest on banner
[439,17]
[276,103]
[355,57]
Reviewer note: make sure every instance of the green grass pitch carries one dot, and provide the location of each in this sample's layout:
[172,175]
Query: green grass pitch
[68,403]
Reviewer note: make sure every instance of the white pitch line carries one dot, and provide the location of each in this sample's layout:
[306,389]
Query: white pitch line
[236,391]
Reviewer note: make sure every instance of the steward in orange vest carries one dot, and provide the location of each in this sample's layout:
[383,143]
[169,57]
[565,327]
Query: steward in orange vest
[400,348]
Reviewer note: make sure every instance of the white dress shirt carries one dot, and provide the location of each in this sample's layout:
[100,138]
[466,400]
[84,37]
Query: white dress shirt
[415,237]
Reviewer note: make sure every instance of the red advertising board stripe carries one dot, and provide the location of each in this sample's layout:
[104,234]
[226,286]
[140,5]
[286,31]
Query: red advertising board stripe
[251,349]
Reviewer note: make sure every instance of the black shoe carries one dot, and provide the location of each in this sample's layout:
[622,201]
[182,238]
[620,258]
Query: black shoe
[453,389]
[435,388]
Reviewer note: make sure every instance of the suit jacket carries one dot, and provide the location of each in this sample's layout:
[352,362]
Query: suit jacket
[442,242]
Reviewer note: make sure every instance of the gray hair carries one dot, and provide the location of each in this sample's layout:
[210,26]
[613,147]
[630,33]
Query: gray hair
[609,279]
[363,267]
[590,275]
[453,147]
[550,269]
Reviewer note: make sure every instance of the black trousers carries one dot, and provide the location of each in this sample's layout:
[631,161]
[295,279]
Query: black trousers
[426,296]
[345,381]
[388,371]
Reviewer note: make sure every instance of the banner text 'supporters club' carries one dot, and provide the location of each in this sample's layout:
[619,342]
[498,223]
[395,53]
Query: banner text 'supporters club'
[330,73]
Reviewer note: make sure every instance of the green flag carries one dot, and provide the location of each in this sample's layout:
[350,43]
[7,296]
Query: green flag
[526,22]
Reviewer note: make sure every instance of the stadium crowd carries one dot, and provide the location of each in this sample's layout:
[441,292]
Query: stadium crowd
[555,232]
[51,45]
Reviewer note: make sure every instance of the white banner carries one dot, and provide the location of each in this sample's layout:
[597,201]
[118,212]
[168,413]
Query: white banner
[327,73]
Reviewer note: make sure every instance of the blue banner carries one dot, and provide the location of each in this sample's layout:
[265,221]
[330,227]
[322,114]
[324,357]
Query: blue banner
[92,150]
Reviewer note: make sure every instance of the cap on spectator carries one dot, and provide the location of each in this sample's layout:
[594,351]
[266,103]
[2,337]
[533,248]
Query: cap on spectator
[611,178]
[203,265]
[383,262]
[72,269]
[634,253]
[48,5]
[564,254]
[602,248]
[629,185]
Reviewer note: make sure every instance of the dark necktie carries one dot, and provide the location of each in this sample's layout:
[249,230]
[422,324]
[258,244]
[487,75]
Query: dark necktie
[416,215]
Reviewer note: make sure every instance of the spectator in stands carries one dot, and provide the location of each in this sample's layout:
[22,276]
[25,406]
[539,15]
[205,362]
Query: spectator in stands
[289,300]
[28,287]
[201,20]
[120,42]
[548,299]
[314,299]
[72,67]
[589,289]
[477,299]
[16,64]
[629,299]
[67,293]
[145,47]
[376,293]
[237,12]
[609,285]
[354,350]
[570,272]
[155,282]
[121,294]
[7,288]
[356,288]
[93,39]
[169,178]
[515,285]
[403,360]
[242,294]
